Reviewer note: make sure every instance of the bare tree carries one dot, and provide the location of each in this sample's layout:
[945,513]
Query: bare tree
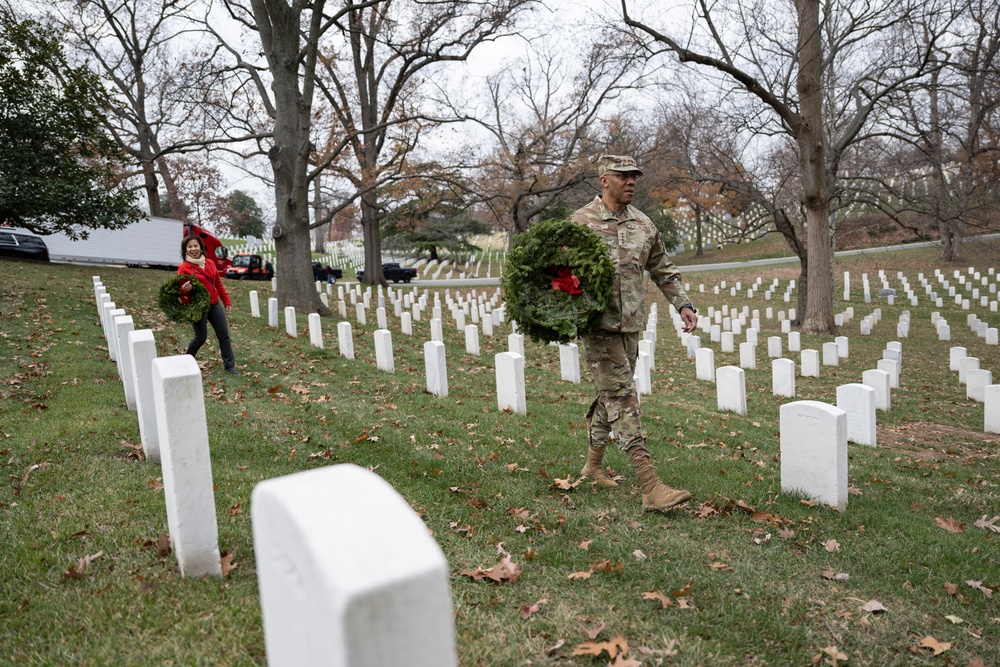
[939,165]
[364,61]
[140,50]
[546,114]
[374,88]
[821,71]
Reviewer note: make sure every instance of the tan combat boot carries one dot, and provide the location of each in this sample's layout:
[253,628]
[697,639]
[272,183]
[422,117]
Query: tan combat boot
[656,496]
[594,471]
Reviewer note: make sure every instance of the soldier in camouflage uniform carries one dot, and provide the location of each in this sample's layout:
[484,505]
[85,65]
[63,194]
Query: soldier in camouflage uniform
[611,349]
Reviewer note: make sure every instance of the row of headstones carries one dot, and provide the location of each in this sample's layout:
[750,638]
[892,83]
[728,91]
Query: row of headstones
[887,292]
[751,292]
[981,329]
[731,384]
[347,572]
[166,394]
[731,394]
[509,365]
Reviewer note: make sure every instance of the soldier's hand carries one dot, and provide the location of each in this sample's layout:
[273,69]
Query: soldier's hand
[690,319]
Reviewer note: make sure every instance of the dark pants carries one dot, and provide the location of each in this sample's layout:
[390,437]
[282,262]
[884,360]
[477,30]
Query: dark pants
[217,316]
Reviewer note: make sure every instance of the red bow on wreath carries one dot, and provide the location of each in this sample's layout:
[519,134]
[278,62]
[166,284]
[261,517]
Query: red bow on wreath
[565,280]
[184,298]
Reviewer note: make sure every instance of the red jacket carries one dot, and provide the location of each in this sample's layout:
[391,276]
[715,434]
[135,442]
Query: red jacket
[209,277]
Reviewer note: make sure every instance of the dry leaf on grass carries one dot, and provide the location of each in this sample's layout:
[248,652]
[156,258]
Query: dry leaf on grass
[990,525]
[227,564]
[527,611]
[835,576]
[830,655]
[950,524]
[874,607]
[612,647]
[565,484]
[79,569]
[832,546]
[978,585]
[664,600]
[934,645]
[506,571]
[595,631]
[552,649]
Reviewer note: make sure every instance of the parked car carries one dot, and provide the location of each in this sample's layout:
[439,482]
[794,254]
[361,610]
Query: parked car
[394,272]
[27,246]
[248,266]
[326,274]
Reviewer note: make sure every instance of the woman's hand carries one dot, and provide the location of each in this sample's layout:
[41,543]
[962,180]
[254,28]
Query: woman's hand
[229,307]
[186,287]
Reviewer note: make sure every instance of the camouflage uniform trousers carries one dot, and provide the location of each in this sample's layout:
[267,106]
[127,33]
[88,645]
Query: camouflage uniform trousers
[611,357]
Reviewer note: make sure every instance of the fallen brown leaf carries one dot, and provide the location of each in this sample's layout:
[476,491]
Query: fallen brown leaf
[835,576]
[874,607]
[594,632]
[227,564]
[505,571]
[565,484]
[664,600]
[990,525]
[833,656]
[79,569]
[978,585]
[832,546]
[612,647]
[934,645]
[529,610]
[950,524]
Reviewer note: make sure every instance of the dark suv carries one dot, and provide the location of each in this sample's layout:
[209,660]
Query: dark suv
[15,244]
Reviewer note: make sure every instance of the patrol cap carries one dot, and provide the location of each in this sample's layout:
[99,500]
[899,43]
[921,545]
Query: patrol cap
[621,163]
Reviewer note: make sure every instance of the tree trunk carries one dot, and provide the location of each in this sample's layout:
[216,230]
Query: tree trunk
[957,247]
[289,156]
[699,248]
[787,230]
[373,242]
[320,234]
[944,233]
[812,163]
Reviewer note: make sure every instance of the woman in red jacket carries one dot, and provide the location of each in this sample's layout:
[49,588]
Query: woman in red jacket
[194,264]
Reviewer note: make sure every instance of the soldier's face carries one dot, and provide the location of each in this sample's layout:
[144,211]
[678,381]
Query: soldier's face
[619,188]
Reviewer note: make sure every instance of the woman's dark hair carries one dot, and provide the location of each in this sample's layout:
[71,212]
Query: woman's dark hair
[184,245]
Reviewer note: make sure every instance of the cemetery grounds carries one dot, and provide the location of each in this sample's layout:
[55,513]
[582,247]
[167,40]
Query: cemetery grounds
[909,574]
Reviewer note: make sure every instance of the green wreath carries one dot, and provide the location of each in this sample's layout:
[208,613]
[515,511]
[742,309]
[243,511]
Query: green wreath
[185,308]
[558,280]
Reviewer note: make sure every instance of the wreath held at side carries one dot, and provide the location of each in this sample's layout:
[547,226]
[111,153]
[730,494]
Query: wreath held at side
[557,281]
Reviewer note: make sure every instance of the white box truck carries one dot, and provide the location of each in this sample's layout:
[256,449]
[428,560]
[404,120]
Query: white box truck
[153,242]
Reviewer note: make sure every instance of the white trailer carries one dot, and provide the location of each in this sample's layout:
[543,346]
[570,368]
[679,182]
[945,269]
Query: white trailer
[148,242]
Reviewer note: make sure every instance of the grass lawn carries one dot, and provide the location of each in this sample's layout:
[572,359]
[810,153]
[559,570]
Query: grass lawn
[741,575]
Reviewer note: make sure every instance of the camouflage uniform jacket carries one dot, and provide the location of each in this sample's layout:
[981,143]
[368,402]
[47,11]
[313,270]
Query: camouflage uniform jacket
[635,246]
